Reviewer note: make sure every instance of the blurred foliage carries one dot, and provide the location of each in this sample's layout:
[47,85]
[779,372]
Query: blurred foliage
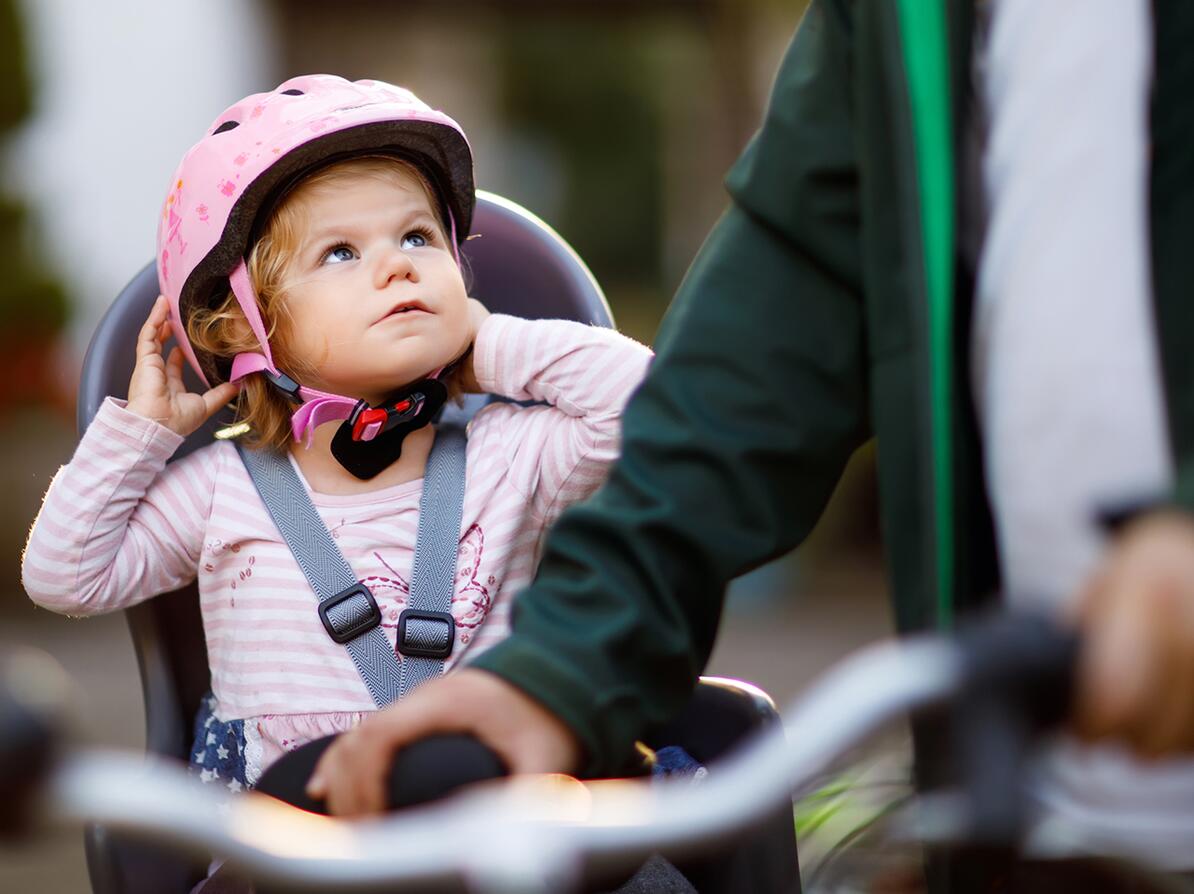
[610,154]
[842,822]
[16,94]
[32,302]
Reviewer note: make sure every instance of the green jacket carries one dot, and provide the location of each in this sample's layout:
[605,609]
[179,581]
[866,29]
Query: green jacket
[828,306]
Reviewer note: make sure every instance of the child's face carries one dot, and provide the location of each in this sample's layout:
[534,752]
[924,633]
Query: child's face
[375,294]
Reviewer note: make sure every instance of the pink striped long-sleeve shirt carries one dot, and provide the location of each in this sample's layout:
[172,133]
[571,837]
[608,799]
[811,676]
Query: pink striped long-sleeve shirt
[119,525]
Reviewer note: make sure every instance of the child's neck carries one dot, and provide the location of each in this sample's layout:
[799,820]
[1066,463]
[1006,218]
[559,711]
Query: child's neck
[327,476]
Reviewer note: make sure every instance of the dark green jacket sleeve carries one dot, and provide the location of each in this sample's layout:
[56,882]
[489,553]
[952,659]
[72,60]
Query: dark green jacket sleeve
[733,443]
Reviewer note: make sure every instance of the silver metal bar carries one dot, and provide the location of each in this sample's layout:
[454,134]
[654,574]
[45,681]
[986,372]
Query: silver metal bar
[525,834]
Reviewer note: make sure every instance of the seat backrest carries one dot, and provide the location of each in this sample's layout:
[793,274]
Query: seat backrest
[515,263]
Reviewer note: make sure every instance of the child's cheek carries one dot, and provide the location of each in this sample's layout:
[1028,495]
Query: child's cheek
[322,353]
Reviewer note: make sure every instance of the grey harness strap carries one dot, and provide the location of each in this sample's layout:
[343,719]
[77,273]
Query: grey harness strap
[426,630]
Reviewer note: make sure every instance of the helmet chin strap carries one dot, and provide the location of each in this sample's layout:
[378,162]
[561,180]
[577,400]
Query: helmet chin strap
[369,439]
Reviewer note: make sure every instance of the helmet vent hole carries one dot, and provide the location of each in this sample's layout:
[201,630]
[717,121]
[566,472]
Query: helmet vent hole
[292,92]
[226,126]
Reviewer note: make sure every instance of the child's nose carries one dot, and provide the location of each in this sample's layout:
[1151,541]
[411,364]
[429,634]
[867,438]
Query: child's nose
[394,263]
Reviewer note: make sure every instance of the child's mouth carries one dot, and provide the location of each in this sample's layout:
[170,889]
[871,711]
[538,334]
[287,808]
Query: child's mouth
[406,309]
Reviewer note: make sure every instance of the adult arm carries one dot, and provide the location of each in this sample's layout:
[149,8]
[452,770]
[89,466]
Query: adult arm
[732,446]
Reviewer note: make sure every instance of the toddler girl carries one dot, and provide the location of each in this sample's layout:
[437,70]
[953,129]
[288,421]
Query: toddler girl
[308,259]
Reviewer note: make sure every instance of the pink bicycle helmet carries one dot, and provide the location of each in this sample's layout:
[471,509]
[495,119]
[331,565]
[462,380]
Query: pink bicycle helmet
[255,151]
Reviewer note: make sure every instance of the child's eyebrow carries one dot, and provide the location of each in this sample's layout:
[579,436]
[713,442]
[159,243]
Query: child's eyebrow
[346,229]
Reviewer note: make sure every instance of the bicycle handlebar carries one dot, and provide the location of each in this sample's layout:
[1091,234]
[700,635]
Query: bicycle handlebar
[534,834]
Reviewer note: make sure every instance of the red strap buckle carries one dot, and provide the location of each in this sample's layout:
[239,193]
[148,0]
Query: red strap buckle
[368,417]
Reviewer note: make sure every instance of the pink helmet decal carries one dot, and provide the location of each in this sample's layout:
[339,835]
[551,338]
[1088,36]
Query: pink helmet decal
[253,153]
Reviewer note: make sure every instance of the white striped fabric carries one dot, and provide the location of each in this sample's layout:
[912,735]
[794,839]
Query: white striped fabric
[118,526]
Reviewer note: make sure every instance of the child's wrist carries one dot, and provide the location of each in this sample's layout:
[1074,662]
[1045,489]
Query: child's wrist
[466,373]
[167,427]
[114,413]
[133,407]
[485,346]
[143,412]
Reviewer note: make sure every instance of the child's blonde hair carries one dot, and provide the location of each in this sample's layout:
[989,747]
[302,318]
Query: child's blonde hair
[223,332]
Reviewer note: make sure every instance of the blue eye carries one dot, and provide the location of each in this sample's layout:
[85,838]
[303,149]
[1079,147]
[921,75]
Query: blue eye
[415,239]
[339,255]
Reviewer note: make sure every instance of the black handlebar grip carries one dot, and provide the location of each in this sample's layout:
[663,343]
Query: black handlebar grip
[438,765]
[27,748]
[1027,659]
[1018,682]
[422,771]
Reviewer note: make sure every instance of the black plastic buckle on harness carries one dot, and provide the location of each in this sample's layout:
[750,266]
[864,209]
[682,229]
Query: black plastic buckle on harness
[388,415]
[364,614]
[415,650]
[288,386]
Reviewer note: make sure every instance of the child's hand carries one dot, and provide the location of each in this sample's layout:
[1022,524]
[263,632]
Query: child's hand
[1136,671]
[156,390]
[528,738]
[477,315]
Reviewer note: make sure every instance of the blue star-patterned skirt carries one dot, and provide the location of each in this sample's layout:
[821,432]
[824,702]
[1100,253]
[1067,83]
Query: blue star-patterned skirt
[218,752]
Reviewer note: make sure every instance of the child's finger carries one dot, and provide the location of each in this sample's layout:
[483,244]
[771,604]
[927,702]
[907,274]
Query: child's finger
[148,342]
[217,397]
[160,312]
[174,371]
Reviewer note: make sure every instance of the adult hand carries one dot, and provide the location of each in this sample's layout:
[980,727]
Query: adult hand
[350,777]
[156,390]
[1136,671]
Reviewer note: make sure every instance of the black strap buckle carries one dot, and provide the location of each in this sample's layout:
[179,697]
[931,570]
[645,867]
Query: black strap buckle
[426,634]
[286,385]
[349,613]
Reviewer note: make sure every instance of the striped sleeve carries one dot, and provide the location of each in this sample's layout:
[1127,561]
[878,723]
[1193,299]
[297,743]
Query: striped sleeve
[117,525]
[559,453]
